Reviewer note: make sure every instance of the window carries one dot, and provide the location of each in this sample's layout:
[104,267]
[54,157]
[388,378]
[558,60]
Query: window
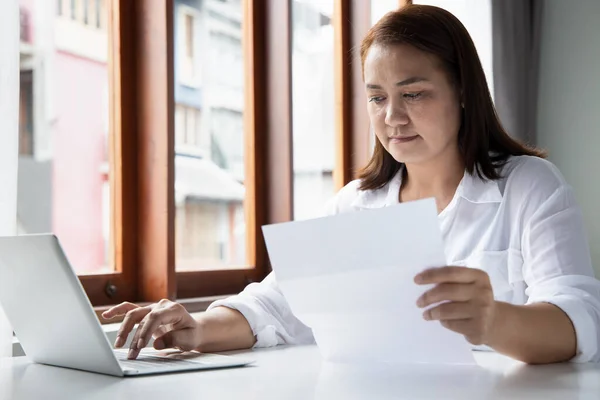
[188,58]
[24,25]
[206,229]
[189,135]
[313,96]
[26,144]
[80,11]
[100,20]
[90,13]
[209,138]
[98,14]
[63,139]
[156,186]
[189,36]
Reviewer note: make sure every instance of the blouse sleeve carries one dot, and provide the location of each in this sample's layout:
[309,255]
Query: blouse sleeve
[558,269]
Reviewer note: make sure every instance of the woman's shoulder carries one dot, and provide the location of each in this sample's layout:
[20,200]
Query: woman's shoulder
[528,168]
[344,198]
[530,176]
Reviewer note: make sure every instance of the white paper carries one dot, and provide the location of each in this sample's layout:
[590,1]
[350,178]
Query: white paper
[9,114]
[350,278]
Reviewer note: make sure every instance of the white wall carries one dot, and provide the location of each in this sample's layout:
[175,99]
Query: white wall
[9,112]
[569,102]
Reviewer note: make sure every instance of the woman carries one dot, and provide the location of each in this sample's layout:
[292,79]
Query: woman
[520,279]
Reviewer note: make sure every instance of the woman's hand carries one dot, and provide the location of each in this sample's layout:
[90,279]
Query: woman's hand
[168,322]
[468,301]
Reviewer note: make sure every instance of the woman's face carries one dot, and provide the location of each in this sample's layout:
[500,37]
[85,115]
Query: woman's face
[413,107]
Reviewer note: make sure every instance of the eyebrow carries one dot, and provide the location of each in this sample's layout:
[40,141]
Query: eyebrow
[405,82]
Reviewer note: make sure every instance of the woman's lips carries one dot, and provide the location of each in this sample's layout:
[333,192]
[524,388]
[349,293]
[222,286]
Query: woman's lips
[403,139]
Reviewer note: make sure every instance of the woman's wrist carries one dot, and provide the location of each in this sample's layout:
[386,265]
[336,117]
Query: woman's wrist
[498,322]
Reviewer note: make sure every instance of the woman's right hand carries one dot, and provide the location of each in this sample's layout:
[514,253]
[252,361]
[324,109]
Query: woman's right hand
[168,322]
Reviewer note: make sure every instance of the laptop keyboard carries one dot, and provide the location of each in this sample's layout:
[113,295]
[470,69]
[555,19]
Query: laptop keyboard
[144,362]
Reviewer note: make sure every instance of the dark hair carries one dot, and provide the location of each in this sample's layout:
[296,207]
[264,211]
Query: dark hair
[484,144]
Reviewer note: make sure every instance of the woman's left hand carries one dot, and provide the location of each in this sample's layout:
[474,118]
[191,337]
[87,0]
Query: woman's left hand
[468,298]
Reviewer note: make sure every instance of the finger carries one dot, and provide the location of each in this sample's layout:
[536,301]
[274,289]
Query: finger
[161,342]
[165,316]
[449,311]
[447,292]
[121,309]
[462,326]
[134,351]
[132,318]
[162,330]
[136,345]
[448,275]
[166,341]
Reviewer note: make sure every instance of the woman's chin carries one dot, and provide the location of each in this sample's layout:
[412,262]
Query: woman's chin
[405,157]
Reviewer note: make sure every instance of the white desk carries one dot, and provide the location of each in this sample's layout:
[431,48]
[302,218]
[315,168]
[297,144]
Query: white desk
[298,373]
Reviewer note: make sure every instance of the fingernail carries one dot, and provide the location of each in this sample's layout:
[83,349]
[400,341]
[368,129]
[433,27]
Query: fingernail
[420,302]
[418,279]
[426,316]
[119,342]
[132,354]
[140,344]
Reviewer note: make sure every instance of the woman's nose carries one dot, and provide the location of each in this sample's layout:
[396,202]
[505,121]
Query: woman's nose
[396,115]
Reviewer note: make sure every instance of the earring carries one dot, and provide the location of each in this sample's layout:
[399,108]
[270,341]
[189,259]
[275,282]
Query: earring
[462,105]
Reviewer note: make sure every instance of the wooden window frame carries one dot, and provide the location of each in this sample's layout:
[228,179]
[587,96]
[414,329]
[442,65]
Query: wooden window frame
[141,155]
[352,20]
[142,141]
[141,74]
[194,79]
[268,145]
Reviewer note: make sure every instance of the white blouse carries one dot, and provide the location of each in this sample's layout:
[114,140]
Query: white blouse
[525,230]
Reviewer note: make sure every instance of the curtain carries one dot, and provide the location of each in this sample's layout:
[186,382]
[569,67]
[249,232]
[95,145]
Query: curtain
[516,29]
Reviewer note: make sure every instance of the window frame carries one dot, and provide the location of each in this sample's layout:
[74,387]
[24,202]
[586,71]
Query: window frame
[351,23]
[266,30]
[142,144]
[193,80]
[141,156]
[122,284]
[183,145]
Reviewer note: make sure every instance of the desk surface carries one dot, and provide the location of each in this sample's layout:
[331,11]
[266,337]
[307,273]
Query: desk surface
[299,373]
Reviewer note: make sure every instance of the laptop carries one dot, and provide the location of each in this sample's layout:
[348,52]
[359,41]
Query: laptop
[56,324]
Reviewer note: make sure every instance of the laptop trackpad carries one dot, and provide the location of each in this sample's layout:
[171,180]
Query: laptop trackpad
[152,361]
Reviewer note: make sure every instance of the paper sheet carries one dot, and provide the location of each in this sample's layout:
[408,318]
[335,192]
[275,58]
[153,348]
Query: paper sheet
[350,278]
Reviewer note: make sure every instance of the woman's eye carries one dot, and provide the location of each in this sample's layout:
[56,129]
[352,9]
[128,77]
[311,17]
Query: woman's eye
[412,96]
[376,99]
